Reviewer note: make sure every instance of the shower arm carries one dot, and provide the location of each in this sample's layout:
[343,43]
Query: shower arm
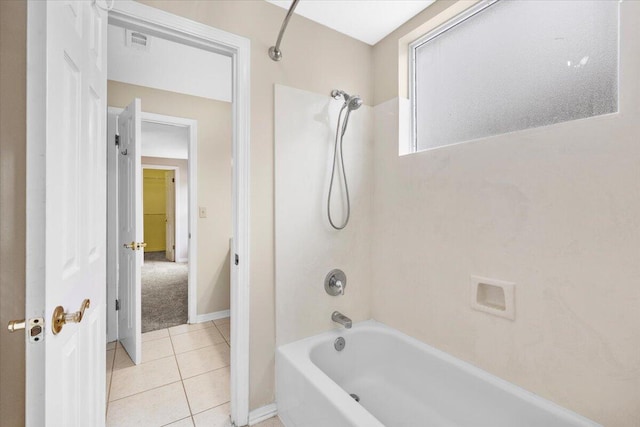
[274,51]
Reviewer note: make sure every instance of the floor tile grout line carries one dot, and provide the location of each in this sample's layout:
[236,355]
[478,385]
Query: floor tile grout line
[207,372]
[201,348]
[200,330]
[195,330]
[144,391]
[154,339]
[184,389]
[186,396]
[204,346]
[181,419]
[208,409]
[143,363]
[175,356]
[225,338]
[181,380]
[172,422]
[153,388]
[113,362]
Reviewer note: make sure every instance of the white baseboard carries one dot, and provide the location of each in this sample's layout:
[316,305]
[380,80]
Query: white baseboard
[261,414]
[182,259]
[213,316]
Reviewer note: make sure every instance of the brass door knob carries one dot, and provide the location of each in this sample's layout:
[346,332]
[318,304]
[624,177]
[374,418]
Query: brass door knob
[135,246]
[60,318]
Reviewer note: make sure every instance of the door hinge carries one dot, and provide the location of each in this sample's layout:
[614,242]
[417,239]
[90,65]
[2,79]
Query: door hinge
[117,140]
[237,259]
[174,247]
[173,180]
[117,304]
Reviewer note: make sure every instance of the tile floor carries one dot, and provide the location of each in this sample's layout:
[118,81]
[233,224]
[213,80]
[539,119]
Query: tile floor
[183,379]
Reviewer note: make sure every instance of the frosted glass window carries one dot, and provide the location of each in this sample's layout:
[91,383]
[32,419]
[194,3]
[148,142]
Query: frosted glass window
[515,65]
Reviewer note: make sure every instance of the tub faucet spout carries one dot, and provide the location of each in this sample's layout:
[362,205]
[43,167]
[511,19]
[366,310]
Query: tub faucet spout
[338,317]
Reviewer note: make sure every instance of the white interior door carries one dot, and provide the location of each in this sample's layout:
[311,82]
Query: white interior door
[170,188]
[130,230]
[66,216]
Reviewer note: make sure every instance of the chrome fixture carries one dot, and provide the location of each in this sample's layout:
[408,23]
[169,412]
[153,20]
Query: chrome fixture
[339,344]
[335,282]
[351,103]
[274,51]
[338,317]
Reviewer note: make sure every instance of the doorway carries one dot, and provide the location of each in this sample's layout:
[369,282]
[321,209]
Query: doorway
[169,353]
[169,143]
[156,23]
[165,284]
[152,138]
[56,205]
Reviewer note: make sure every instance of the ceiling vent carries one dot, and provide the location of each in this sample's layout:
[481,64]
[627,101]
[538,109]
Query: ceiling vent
[138,41]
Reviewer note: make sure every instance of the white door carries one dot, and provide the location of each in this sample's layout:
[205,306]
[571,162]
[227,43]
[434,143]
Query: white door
[66,219]
[170,189]
[130,230]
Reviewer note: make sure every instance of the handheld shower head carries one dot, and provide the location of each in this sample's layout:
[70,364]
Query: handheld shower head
[353,102]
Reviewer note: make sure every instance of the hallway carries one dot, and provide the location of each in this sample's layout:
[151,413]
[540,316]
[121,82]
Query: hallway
[164,292]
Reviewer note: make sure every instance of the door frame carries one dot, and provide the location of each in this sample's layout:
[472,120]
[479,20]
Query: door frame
[134,15]
[176,180]
[112,212]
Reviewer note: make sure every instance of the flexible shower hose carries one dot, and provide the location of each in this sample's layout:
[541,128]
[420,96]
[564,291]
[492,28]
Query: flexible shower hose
[339,137]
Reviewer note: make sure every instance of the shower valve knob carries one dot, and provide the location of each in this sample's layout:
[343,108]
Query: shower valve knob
[335,282]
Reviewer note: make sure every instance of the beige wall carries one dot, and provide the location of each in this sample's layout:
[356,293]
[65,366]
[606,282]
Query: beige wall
[554,209]
[214,180]
[12,207]
[390,75]
[315,59]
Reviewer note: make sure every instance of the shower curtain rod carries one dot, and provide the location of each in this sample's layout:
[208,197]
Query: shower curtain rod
[274,51]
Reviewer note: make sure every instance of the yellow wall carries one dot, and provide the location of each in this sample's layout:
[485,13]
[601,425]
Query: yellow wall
[154,206]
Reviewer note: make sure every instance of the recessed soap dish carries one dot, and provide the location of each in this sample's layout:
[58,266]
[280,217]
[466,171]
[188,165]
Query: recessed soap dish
[493,296]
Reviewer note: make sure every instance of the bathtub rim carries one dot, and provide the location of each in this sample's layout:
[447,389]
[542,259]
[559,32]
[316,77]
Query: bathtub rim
[298,354]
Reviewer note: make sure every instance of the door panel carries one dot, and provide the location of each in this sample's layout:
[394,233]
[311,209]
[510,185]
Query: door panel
[130,229]
[66,196]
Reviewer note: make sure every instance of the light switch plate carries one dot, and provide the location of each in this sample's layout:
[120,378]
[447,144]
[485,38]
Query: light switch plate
[202,211]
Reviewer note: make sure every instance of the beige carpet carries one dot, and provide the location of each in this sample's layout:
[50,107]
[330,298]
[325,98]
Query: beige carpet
[164,292]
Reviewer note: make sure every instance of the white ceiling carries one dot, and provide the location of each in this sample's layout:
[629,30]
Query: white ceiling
[160,140]
[169,66]
[366,20]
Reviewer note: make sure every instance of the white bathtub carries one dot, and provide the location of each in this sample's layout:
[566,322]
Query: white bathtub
[400,382]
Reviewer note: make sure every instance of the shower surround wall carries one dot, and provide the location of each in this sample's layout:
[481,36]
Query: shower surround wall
[307,248]
[554,209]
